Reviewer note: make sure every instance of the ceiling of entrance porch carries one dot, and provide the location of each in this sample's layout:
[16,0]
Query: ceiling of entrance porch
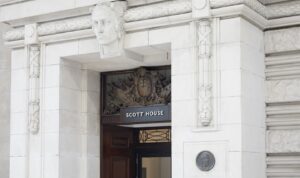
[158,55]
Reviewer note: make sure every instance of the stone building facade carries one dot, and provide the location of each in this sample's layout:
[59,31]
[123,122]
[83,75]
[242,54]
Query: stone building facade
[235,82]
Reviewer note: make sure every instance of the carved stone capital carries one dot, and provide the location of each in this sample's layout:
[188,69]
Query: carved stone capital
[201,9]
[31,34]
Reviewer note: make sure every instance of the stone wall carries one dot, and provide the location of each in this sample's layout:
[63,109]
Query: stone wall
[282,102]
[4,107]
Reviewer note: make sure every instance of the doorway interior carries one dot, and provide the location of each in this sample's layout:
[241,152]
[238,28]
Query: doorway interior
[136,152]
[135,123]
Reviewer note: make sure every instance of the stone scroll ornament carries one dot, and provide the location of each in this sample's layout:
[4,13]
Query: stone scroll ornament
[107,24]
[204,38]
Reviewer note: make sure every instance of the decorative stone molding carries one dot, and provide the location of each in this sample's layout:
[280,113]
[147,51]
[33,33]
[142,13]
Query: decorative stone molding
[142,2]
[33,56]
[14,35]
[132,3]
[272,1]
[107,23]
[283,90]
[253,4]
[283,109]
[34,85]
[204,42]
[63,26]
[286,9]
[31,34]
[287,164]
[282,40]
[34,114]
[158,10]
[161,9]
[283,67]
[7,2]
[283,141]
[201,9]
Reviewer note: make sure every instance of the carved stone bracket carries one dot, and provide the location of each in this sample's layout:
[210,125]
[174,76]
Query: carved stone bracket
[204,45]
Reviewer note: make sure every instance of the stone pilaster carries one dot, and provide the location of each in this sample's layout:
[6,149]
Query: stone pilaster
[204,68]
[34,136]
[33,57]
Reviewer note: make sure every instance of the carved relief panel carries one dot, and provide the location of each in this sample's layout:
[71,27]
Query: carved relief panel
[139,87]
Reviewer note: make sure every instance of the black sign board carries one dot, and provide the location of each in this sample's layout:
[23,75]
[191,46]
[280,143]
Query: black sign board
[134,115]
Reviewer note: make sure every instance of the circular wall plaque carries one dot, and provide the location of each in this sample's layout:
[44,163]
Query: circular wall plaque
[205,161]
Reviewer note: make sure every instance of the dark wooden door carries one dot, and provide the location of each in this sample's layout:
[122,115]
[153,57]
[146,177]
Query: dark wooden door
[117,154]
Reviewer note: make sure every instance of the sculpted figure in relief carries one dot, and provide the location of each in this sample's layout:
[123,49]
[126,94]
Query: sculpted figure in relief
[108,27]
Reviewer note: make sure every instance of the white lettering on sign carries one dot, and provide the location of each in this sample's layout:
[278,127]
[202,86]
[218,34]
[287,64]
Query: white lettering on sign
[147,114]
[134,114]
[154,113]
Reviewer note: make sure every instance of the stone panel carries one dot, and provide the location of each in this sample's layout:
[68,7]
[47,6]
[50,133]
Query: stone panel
[282,40]
[283,141]
[283,90]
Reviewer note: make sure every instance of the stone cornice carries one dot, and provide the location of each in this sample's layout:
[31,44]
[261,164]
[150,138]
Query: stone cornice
[156,15]
[253,4]
[51,28]
[271,11]
[287,9]
[7,2]
[63,26]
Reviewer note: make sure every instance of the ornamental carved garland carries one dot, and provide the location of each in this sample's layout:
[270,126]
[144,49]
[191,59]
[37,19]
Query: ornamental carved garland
[34,98]
[141,87]
[204,42]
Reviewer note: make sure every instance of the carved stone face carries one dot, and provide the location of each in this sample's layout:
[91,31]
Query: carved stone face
[105,24]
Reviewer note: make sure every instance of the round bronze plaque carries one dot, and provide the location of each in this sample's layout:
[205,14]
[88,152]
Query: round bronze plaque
[205,161]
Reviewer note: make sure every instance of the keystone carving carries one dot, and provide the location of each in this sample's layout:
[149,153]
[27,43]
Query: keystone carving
[107,23]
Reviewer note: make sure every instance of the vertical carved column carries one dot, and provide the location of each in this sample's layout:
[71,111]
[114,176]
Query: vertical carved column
[34,121]
[204,45]
[34,98]
[33,56]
